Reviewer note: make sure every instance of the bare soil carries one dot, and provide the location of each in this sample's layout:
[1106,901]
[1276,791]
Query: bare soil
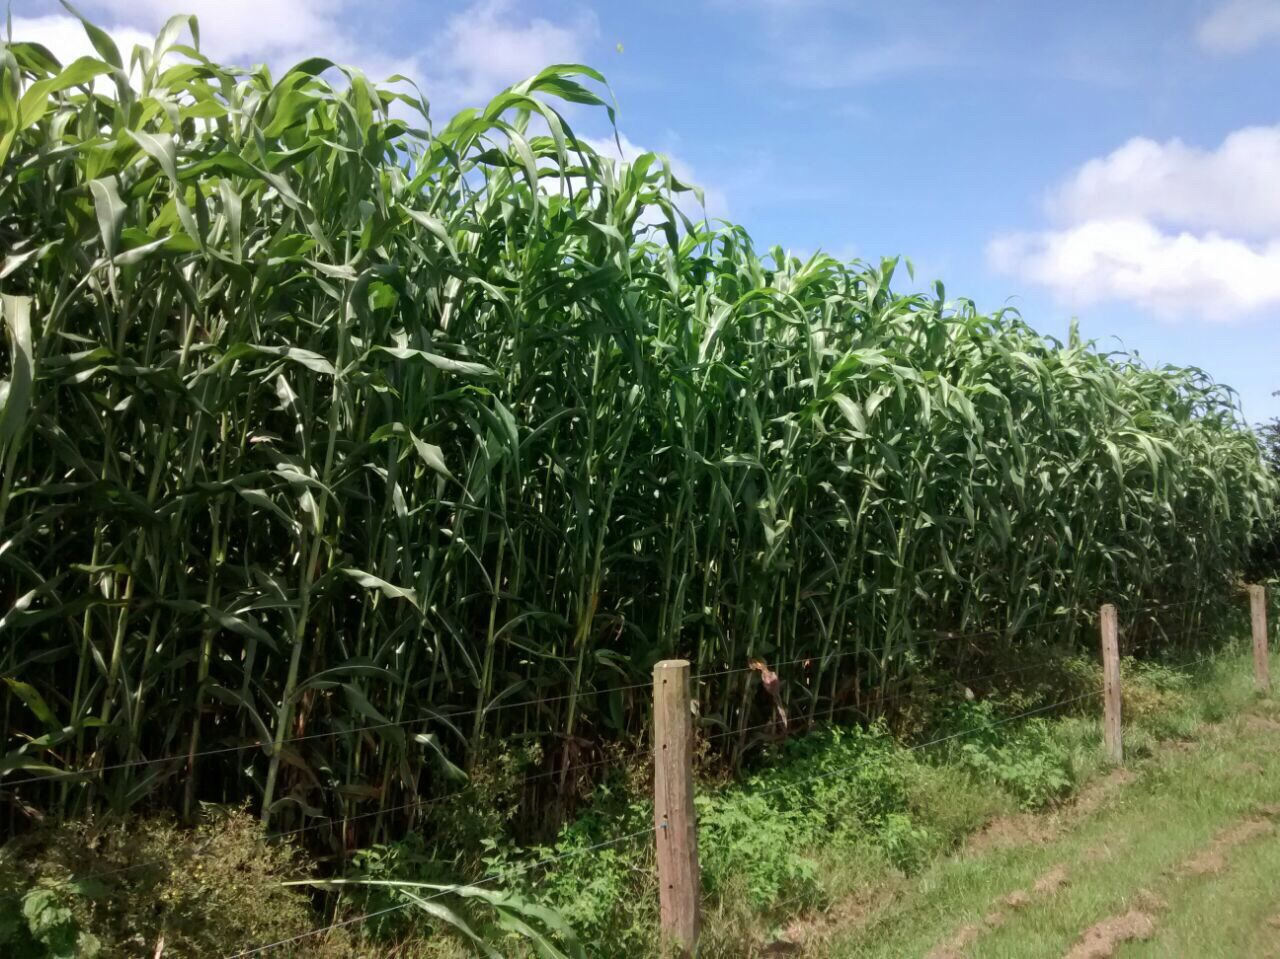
[1101,939]
[1213,858]
[967,935]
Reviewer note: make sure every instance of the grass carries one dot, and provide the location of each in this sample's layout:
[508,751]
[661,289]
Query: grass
[1123,854]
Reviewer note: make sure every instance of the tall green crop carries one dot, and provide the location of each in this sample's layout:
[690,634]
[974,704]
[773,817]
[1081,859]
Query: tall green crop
[318,417]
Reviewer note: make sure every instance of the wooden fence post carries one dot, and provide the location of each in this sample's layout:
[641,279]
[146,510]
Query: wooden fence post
[675,825]
[1111,735]
[1261,648]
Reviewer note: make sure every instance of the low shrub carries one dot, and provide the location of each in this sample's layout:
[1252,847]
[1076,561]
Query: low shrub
[1024,758]
[150,886]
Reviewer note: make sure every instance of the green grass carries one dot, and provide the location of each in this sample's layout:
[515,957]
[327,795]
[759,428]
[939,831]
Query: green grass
[1183,794]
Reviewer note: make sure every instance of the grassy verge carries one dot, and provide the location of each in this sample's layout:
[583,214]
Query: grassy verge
[1156,853]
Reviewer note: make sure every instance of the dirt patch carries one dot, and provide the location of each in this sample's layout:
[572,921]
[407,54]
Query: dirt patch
[781,947]
[1100,941]
[1039,829]
[850,913]
[1024,829]
[1250,769]
[1213,859]
[967,935]
[954,947]
[1271,935]
[1050,882]
[1262,724]
[1095,794]
[1103,852]
[1148,901]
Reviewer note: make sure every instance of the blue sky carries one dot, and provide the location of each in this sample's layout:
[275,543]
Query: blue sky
[1117,162]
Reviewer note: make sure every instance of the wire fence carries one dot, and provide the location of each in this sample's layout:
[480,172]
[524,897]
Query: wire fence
[1095,693]
[905,688]
[618,840]
[270,746]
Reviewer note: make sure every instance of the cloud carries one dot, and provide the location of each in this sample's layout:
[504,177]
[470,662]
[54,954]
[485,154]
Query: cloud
[1239,26]
[278,32]
[257,29]
[1130,260]
[1172,228]
[829,45]
[488,46]
[65,37]
[484,47]
[820,65]
[1231,189]
[481,49]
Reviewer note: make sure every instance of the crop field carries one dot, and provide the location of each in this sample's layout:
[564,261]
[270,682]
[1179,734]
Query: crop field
[350,452]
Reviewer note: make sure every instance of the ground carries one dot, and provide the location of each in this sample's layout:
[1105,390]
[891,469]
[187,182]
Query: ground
[1177,854]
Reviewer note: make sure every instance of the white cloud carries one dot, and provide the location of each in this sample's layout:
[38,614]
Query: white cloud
[483,48]
[479,50]
[259,29]
[1238,26]
[278,32]
[1172,228]
[1130,260]
[488,46]
[1232,188]
[820,65]
[65,37]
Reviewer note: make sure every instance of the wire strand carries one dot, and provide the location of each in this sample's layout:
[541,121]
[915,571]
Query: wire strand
[256,744]
[939,637]
[877,699]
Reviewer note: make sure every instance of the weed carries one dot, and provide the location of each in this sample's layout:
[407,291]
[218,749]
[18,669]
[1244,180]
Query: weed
[86,889]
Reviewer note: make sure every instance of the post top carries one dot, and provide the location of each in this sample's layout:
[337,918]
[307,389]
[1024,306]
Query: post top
[671,664]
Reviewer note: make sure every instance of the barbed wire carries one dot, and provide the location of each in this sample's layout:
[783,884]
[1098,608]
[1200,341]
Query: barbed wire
[272,747]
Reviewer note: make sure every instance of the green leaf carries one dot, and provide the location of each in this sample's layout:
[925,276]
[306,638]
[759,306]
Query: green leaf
[34,701]
[369,581]
[110,209]
[16,392]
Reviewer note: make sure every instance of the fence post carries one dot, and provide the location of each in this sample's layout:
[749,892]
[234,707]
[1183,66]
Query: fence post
[675,825]
[1111,735]
[1261,648]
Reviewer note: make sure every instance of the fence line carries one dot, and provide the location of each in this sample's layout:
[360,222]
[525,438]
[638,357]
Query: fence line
[681,936]
[497,706]
[875,700]
[257,950]
[676,927]
[342,820]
